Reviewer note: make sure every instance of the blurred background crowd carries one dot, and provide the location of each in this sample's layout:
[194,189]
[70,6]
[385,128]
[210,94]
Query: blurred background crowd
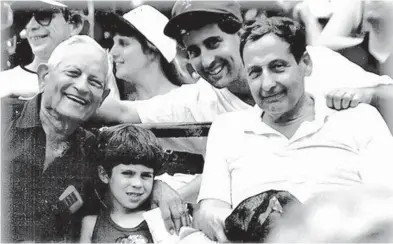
[343,26]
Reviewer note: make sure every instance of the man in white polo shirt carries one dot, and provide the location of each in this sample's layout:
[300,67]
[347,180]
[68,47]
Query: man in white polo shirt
[291,141]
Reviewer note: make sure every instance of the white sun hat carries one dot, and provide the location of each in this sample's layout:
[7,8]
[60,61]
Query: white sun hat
[23,4]
[150,23]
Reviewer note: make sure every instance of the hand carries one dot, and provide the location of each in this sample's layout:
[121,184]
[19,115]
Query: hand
[209,222]
[173,209]
[349,97]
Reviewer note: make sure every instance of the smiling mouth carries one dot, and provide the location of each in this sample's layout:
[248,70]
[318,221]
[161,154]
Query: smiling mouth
[131,194]
[36,38]
[274,97]
[216,71]
[76,99]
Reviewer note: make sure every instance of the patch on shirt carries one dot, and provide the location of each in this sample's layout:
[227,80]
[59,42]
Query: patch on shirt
[71,199]
[132,239]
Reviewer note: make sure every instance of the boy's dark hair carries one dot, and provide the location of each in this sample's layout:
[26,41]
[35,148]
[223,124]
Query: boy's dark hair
[128,144]
[285,28]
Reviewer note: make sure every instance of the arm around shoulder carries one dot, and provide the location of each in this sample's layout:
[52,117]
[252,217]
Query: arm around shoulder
[88,224]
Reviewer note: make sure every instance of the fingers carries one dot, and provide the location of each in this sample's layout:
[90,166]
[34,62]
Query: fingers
[337,99]
[220,236]
[179,215]
[341,99]
[355,100]
[166,216]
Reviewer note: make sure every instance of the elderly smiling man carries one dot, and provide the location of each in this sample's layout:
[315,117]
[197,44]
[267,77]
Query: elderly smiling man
[46,153]
[291,141]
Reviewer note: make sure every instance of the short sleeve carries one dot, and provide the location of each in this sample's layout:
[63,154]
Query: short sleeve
[331,71]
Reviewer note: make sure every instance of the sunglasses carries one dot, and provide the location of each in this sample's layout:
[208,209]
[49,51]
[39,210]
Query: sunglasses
[43,17]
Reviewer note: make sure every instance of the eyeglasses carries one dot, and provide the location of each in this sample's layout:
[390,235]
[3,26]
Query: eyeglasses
[43,17]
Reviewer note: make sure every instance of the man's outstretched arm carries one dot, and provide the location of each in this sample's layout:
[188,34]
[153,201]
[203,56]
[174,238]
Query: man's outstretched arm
[379,96]
[115,111]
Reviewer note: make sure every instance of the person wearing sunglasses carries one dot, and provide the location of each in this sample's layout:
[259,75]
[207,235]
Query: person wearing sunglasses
[47,24]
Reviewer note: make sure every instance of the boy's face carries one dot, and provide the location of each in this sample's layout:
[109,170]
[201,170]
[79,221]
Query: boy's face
[131,185]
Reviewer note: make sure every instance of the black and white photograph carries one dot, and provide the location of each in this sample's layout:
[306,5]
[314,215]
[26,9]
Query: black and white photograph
[196,121]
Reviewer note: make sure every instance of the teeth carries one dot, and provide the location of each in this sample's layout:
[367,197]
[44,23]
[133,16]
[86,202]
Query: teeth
[77,99]
[217,70]
[134,194]
[38,38]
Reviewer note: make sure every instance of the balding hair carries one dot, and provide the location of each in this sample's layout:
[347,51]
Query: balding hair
[63,49]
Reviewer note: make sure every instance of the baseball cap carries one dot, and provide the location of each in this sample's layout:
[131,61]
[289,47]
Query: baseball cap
[253,219]
[150,23]
[41,4]
[186,13]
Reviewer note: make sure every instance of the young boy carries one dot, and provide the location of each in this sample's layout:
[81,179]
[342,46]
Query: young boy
[129,158]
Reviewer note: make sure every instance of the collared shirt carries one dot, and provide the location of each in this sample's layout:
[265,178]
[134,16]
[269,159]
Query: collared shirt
[334,151]
[32,194]
[201,102]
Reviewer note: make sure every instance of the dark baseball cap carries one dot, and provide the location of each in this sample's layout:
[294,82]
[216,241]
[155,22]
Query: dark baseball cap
[186,13]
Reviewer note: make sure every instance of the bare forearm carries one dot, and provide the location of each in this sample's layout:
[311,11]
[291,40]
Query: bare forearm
[115,111]
[313,30]
[189,193]
[383,101]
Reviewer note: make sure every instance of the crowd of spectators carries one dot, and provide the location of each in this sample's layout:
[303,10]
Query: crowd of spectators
[298,95]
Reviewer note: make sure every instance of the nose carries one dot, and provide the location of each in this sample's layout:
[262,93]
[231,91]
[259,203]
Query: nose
[207,59]
[136,182]
[268,81]
[32,24]
[81,84]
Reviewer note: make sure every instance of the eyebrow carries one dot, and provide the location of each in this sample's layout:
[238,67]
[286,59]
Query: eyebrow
[212,38]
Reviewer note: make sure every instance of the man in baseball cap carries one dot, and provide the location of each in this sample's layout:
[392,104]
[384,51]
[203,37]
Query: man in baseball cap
[210,33]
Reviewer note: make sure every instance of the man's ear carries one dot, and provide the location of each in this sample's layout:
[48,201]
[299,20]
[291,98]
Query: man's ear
[77,21]
[306,62]
[42,73]
[103,175]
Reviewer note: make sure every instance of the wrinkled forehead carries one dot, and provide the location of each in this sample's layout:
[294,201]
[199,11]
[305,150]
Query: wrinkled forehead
[80,51]
[266,49]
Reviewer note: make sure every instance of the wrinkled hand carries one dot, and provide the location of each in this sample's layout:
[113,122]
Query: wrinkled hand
[349,97]
[173,209]
[208,221]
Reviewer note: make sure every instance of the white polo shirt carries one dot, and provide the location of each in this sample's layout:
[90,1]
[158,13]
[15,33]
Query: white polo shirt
[201,102]
[246,157]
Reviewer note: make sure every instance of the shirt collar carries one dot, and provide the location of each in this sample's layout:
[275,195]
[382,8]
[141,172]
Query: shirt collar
[256,126]
[30,115]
